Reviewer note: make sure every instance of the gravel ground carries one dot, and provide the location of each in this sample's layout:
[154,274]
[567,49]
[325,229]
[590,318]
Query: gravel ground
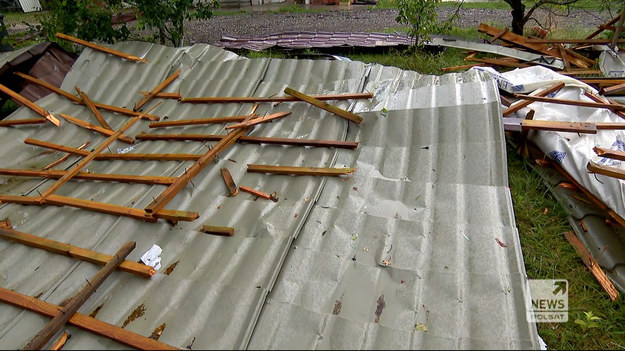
[358,19]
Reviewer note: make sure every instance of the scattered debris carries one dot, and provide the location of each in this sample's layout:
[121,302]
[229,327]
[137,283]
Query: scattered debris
[136,313]
[379,308]
[171,268]
[500,243]
[156,334]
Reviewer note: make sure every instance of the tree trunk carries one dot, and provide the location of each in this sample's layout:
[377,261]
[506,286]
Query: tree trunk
[518,12]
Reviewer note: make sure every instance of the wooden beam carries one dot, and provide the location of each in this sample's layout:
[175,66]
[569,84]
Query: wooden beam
[500,62]
[592,265]
[98,129]
[122,178]
[292,170]
[230,184]
[257,193]
[166,196]
[82,163]
[162,95]
[225,100]
[580,72]
[31,105]
[60,342]
[72,306]
[572,41]
[602,27]
[612,89]
[570,102]
[560,126]
[223,231]
[19,122]
[520,104]
[613,154]
[100,48]
[77,100]
[189,122]
[565,59]
[156,90]
[251,140]
[87,101]
[75,252]
[606,81]
[85,322]
[324,106]
[263,119]
[613,172]
[504,31]
[64,157]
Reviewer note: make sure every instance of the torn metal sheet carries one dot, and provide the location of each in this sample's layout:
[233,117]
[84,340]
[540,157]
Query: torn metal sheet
[612,64]
[307,40]
[499,50]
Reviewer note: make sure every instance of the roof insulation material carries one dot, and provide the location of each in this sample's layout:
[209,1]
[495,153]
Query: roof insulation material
[430,198]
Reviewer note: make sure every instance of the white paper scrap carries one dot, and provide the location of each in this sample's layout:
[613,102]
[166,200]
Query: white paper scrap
[152,257]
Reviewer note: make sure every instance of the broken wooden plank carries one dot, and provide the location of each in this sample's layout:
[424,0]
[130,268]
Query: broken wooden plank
[560,126]
[504,31]
[222,99]
[565,59]
[499,62]
[612,89]
[75,252]
[579,72]
[85,160]
[122,178]
[258,193]
[166,196]
[156,90]
[31,105]
[85,322]
[227,177]
[263,119]
[570,102]
[72,306]
[601,28]
[251,140]
[100,48]
[101,130]
[293,170]
[215,230]
[77,100]
[592,265]
[87,101]
[609,171]
[161,95]
[189,122]
[324,106]
[25,121]
[613,154]
[60,342]
[60,160]
[520,104]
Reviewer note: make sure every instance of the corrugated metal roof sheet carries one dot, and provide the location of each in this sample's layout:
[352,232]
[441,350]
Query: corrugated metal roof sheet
[430,198]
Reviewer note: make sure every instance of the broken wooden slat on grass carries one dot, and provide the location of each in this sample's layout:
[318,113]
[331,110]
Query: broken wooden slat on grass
[324,106]
[570,102]
[64,157]
[25,121]
[77,100]
[520,104]
[263,119]
[257,193]
[85,322]
[292,170]
[31,105]
[72,306]
[225,100]
[156,90]
[592,265]
[75,252]
[166,196]
[251,140]
[227,177]
[87,101]
[100,48]
[122,178]
[215,230]
[189,122]
[609,171]
[101,130]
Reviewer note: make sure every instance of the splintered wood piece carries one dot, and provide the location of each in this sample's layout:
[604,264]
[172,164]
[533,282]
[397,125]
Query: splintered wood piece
[291,170]
[565,59]
[263,119]
[77,100]
[171,191]
[592,265]
[156,90]
[189,122]
[123,178]
[498,35]
[324,106]
[19,122]
[218,99]
[87,101]
[62,159]
[111,209]
[570,102]
[31,105]
[520,104]
[100,48]
[82,163]
[232,187]
[82,321]
[67,311]
[613,154]
[560,126]
[75,252]
[223,231]
[60,342]
[101,130]
[256,193]
[609,171]
[251,140]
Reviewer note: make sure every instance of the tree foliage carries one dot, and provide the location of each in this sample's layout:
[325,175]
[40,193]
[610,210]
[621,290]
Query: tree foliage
[520,16]
[421,16]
